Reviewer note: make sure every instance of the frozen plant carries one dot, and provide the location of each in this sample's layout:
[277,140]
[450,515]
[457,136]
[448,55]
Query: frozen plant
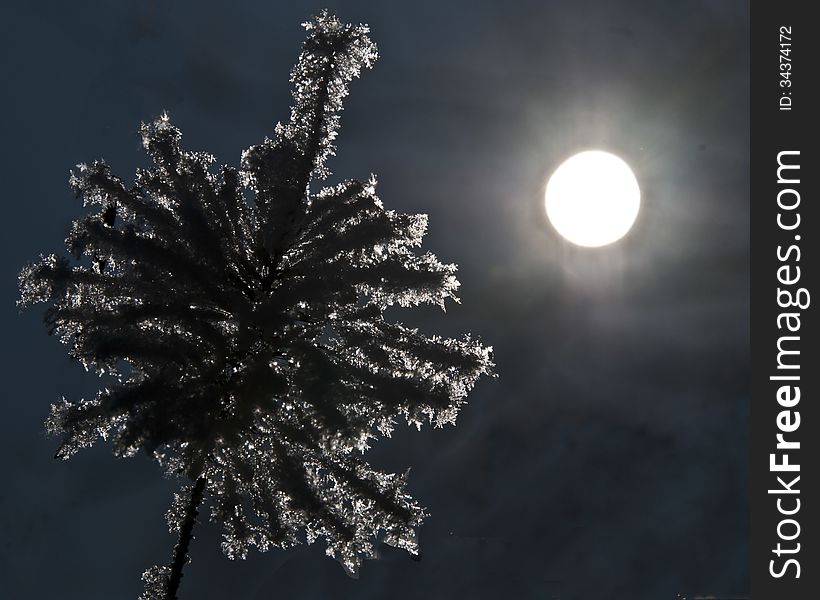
[240,319]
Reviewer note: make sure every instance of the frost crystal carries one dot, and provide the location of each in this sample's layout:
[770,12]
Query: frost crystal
[242,319]
[155,580]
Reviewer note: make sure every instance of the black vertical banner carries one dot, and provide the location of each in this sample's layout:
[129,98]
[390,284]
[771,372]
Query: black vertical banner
[785,419]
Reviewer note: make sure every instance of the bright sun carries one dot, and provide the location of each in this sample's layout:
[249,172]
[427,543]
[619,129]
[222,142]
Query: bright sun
[592,199]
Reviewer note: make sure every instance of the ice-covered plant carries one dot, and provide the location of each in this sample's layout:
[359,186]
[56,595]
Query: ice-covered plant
[240,319]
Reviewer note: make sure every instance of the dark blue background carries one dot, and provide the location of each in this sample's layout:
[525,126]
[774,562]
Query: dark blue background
[609,458]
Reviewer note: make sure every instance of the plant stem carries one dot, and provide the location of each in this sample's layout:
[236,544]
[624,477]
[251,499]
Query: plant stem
[181,549]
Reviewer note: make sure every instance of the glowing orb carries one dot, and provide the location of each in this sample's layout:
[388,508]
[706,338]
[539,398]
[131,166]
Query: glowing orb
[593,198]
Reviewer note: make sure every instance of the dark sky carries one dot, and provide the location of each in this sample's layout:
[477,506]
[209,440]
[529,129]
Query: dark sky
[608,460]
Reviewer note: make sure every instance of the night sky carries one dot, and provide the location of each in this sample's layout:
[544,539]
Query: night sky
[608,460]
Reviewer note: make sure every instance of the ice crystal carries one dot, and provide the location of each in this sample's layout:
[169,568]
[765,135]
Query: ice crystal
[155,580]
[242,319]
